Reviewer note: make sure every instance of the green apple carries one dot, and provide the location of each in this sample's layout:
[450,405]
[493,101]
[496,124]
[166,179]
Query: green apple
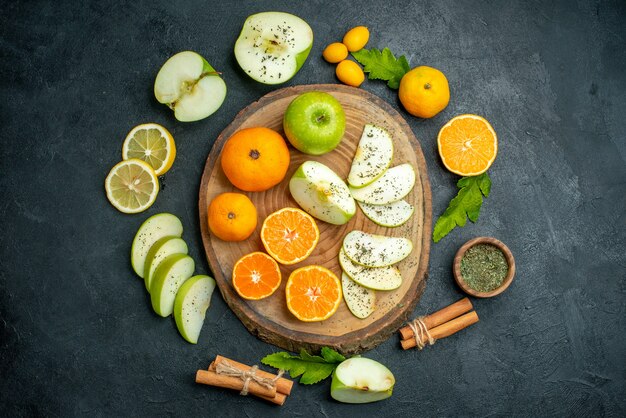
[375,250]
[360,300]
[189,86]
[375,278]
[321,193]
[158,252]
[154,228]
[391,215]
[192,301]
[373,156]
[314,123]
[361,380]
[272,46]
[393,185]
[168,278]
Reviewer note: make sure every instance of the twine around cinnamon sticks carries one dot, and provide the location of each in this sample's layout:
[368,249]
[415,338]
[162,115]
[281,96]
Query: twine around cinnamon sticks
[227,373]
[441,324]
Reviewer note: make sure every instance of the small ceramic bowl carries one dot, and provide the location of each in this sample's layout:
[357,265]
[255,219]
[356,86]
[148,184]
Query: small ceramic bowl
[457,267]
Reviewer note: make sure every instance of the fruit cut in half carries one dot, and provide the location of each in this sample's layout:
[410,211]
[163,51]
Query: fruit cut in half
[164,247]
[361,380]
[289,235]
[322,193]
[189,86]
[468,145]
[168,278]
[360,300]
[192,301]
[132,186]
[395,184]
[373,156]
[391,215]
[375,278]
[151,143]
[313,293]
[375,250]
[272,46]
[256,276]
[153,229]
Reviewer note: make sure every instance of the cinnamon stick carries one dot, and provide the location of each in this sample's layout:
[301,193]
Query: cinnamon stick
[445,330]
[279,399]
[209,377]
[282,385]
[440,317]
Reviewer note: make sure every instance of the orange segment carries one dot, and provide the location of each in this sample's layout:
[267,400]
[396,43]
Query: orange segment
[468,145]
[313,293]
[256,276]
[289,235]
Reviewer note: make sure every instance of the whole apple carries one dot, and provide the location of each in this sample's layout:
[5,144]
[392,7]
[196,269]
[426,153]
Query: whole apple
[314,123]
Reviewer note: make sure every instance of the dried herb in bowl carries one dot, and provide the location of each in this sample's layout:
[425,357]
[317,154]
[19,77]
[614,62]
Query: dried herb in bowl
[484,267]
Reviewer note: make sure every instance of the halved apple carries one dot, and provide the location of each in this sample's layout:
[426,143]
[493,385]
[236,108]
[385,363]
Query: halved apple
[375,278]
[158,252]
[189,86]
[375,250]
[154,228]
[395,184]
[192,301]
[272,46]
[360,300]
[168,278]
[361,380]
[373,156]
[391,215]
[322,193]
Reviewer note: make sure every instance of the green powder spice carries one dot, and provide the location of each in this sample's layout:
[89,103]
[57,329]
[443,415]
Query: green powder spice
[484,267]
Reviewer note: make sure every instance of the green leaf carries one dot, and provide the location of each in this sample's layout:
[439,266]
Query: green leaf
[383,65]
[466,204]
[312,369]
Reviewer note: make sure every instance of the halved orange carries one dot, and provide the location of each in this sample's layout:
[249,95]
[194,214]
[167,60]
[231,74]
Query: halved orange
[289,235]
[256,276]
[313,293]
[468,145]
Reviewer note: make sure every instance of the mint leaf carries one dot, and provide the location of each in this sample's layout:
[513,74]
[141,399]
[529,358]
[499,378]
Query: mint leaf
[466,204]
[313,369]
[383,65]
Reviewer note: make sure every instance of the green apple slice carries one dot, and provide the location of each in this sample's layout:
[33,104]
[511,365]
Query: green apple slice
[360,300]
[168,278]
[361,380]
[391,215]
[375,278]
[395,184]
[272,46]
[154,228]
[321,193]
[373,156]
[189,86]
[375,250]
[158,252]
[192,301]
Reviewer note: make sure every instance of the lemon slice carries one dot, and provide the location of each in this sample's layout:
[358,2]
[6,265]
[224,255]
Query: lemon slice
[151,143]
[132,186]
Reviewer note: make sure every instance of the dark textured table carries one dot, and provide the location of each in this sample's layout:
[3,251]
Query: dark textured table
[77,335]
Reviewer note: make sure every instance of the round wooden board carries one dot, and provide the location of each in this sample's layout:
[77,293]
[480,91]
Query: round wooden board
[269,319]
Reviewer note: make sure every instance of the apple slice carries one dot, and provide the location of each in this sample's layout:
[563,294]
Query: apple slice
[395,184]
[189,86]
[360,300]
[376,250]
[375,278]
[154,228]
[158,252]
[192,301]
[391,215]
[272,46]
[373,156]
[321,193]
[168,278]
[361,380]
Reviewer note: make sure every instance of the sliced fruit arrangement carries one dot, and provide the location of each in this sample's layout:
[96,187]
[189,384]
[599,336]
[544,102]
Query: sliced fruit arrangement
[373,156]
[393,185]
[375,278]
[360,300]
[272,46]
[371,250]
[313,293]
[256,276]
[159,255]
[151,143]
[391,215]
[289,235]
